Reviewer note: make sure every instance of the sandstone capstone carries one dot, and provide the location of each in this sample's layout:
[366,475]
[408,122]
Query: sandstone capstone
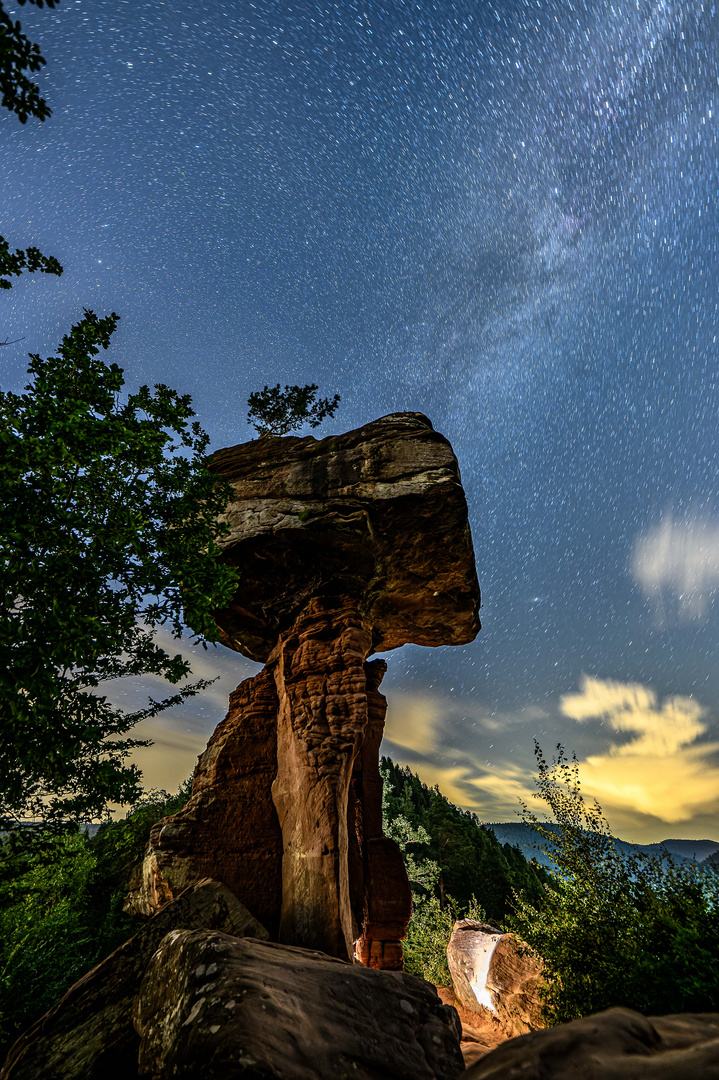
[377,513]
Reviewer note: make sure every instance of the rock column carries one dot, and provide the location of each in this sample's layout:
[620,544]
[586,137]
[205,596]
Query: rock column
[289,791]
[328,791]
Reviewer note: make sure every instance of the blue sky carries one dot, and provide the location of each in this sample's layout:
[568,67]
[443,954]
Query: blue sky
[502,215]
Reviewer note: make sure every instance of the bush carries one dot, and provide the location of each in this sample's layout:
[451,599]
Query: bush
[618,928]
[61,908]
[428,934]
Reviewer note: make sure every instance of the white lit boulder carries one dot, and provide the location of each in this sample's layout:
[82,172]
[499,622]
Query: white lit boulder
[495,977]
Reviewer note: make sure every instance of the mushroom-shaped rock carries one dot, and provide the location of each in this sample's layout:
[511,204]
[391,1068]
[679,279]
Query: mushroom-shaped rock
[345,546]
[378,514]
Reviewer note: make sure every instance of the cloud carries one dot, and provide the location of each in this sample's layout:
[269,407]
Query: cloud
[456,743]
[632,707]
[662,770]
[181,734]
[681,560]
[649,762]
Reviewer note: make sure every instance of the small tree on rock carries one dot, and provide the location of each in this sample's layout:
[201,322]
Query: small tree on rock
[278,412]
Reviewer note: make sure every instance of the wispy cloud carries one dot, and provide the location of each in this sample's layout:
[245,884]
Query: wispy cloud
[655,764]
[649,762]
[677,564]
[180,735]
[662,770]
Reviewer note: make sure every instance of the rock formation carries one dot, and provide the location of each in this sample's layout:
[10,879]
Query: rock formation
[89,1034]
[214,1007]
[346,546]
[495,977]
[619,1044]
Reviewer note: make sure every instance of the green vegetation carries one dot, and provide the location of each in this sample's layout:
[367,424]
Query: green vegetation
[622,928]
[61,909]
[108,531]
[456,866]
[20,95]
[278,412]
[18,54]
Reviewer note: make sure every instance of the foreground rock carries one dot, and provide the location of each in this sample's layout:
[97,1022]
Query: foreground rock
[480,1034]
[615,1045]
[229,829]
[495,978]
[214,1008]
[89,1034]
[347,546]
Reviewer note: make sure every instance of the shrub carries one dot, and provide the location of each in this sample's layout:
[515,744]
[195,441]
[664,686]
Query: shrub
[617,928]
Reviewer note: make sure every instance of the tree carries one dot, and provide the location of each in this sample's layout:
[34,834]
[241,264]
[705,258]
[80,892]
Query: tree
[20,95]
[277,412]
[12,263]
[108,532]
[618,928]
[17,55]
[470,860]
[61,908]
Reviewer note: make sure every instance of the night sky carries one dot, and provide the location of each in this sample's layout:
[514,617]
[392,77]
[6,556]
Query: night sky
[501,214]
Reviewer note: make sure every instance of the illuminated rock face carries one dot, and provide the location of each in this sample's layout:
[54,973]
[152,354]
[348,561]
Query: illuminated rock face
[378,513]
[212,1006]
[491,974]
[347,546]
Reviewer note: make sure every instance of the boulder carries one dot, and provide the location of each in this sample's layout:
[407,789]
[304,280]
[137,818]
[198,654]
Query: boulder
[615,1045]
[495,976]
[89,1034]
[345,546]
[480,1034]
[212,1007]
[377,513]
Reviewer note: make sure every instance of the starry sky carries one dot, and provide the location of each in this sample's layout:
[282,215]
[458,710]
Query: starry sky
[501,214]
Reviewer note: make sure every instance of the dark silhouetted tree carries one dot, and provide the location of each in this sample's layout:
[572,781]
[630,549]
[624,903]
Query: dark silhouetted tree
[20,95]
[108,532]
[278,412]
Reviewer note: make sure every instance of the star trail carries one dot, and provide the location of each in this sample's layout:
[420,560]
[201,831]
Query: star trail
[503,215]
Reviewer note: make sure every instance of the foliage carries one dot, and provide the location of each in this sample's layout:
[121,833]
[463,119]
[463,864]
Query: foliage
[108,532]
[61,908]
[21,96]
[277,412]
[622,928]
[470,860]
[17,55]
[12,264]
[444,849]
[428,934]
[414,843]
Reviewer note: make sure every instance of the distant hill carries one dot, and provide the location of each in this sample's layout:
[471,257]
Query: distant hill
[523,836]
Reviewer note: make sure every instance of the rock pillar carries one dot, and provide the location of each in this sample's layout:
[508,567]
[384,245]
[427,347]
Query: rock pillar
[355,544]
[323,724]
[286,804]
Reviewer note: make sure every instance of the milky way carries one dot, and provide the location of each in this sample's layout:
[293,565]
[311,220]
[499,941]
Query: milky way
[503,215]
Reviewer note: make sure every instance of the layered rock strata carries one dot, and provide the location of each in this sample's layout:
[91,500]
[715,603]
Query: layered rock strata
[351,545]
